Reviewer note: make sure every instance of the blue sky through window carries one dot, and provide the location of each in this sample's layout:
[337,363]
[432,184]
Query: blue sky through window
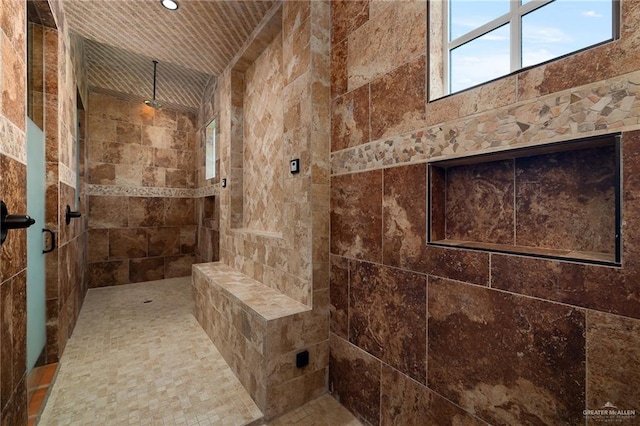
[561,27]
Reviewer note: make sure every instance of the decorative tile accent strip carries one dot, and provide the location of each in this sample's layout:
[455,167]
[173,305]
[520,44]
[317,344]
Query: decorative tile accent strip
[207,191]
[594,109]
[67,176]
[141,191]
[12,141]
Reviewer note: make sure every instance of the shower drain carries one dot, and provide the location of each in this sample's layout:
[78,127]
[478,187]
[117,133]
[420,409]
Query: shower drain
[148,301]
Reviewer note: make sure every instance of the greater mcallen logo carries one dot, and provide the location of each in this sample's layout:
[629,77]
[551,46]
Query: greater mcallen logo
[609,413]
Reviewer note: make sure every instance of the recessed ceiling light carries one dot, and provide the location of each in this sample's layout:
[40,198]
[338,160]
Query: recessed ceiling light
[170,4]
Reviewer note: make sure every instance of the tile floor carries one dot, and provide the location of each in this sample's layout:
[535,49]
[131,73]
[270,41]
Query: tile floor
[138,356]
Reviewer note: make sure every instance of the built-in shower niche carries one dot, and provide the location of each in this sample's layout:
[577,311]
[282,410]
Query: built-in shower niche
[556,201]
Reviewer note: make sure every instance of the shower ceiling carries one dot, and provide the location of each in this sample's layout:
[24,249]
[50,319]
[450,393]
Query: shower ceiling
[191,44]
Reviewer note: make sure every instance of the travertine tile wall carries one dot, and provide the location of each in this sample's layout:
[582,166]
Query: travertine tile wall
[141,175]
[207,191]
[431,335]
[263,160]
[64,78]
[295,259]
[13,172]
[285,262]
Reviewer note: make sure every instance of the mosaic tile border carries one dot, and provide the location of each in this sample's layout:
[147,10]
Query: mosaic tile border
[140,191]
[131,191]
[207,191]
[590,110]
[12,141]
[67,176]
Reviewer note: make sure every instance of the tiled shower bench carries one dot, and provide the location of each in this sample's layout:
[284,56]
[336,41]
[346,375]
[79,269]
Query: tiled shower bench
[258,331]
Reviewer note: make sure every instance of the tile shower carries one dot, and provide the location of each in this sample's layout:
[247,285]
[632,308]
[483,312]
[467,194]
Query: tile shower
[470,285]
[405,331]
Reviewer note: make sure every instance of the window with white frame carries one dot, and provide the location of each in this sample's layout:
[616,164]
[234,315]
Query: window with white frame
[486,39]
[210,150]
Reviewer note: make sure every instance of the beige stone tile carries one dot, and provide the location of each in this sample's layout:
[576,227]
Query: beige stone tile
[322,411]
[131,362]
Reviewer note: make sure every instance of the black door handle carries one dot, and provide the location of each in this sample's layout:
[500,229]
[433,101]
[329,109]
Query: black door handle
[12,221]
[71,215]
[53,240]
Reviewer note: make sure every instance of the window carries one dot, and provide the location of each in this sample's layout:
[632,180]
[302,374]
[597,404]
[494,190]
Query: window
[487,39]
[210,150]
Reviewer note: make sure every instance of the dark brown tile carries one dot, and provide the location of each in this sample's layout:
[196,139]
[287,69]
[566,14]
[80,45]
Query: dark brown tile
[149,269]
[354,379]
[19,344]
[339,293]
[527,356]
[179,211]
[6,341]
[613,346]
[350,119]
[146,211]
[51,274]
[51,128]
[52,330]
[107,211]
[164,241]
[356,215]
[339,81]
[51,196]
[437,203]
[387,316]
[479,204]
[588,286]
[404,213]
[103,274]
[346,17]
[188,239]
[405,402]
[566,200]
[398,100]
[572,71]
[631,197]
[20,403]
[127,243]
[178,266]
[13,257]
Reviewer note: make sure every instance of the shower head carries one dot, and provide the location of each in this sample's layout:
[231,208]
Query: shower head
[154,102]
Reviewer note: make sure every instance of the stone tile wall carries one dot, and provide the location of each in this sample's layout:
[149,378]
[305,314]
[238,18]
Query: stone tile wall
[66,281]
[295,259]
[141,207]
[288,260]
[432,335]
[263,159]
[13,172]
